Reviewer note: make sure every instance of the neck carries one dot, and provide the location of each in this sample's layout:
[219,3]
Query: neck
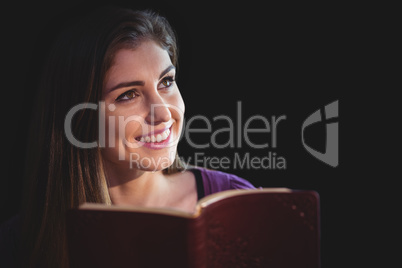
[138,187]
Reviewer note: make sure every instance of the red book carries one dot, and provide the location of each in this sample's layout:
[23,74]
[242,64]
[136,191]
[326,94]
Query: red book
[270,227]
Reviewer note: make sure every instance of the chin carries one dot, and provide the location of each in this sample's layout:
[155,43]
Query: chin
[151,163]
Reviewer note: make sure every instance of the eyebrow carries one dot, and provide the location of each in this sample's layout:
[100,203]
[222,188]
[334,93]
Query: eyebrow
[140,83]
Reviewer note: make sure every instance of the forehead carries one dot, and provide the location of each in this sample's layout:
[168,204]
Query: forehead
[144,62]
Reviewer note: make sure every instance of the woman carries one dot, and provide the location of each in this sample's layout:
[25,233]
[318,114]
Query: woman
[109,116]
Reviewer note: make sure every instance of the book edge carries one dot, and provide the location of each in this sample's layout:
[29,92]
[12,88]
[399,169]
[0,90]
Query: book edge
[213,198]
[201,204]
[127,208]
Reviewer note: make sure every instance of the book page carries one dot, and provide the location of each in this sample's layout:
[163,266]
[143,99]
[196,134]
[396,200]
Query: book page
[127,208]
[202,203]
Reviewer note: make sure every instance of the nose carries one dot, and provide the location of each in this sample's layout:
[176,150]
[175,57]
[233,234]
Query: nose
[158,111]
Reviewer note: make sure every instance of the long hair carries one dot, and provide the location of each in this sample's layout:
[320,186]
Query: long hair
[60,176]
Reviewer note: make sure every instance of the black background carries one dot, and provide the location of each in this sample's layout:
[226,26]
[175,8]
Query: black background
[277,60]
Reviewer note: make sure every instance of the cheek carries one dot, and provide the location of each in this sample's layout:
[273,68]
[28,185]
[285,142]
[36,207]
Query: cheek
[177,106]
[119,127]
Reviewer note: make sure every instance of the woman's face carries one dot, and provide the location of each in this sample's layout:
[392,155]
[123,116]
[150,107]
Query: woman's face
[143,109]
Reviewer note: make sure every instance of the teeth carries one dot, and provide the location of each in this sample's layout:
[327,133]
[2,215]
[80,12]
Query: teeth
[159,137]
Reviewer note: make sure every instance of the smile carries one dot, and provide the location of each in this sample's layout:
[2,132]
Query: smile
[155,137]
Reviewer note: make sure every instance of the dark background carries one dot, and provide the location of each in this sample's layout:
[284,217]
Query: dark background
[277,60]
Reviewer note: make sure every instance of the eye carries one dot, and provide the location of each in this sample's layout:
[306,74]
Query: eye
[167,82]
[128,95]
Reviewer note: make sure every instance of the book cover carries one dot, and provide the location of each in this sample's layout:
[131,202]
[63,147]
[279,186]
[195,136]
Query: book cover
[267,227]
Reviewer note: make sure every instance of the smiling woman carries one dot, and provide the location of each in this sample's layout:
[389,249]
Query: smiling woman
[151,96]
[125,61]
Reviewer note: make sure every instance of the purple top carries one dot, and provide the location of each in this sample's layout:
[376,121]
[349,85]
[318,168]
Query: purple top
[212,181]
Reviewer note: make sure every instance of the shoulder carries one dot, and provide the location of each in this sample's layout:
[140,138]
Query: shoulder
[217,181]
